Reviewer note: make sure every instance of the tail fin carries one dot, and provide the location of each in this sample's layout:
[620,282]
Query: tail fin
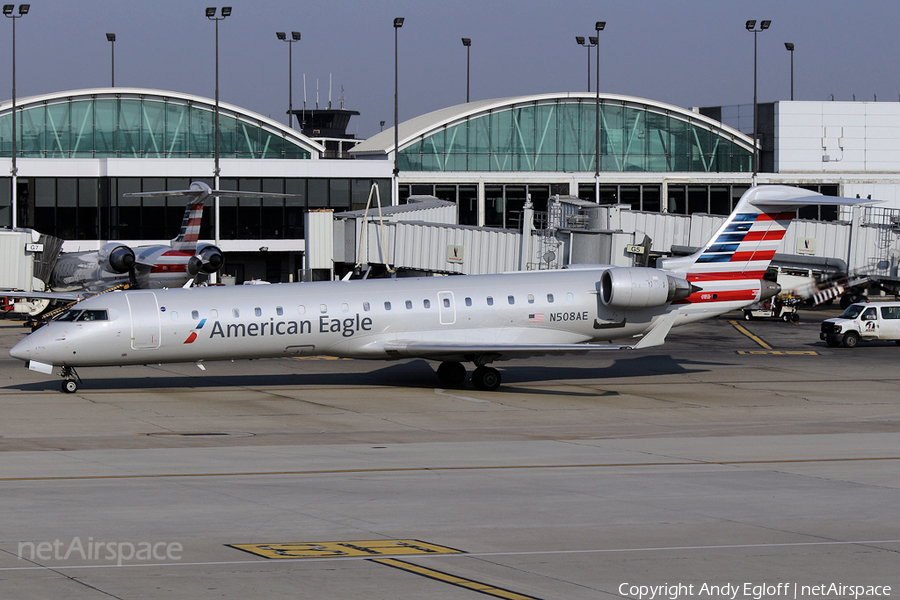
[190,226]
[730,267]
[193,213]
[744,245]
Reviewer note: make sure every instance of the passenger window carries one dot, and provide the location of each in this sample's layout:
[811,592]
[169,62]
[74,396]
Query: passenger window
[490,301]
[468,302]
[890,312]
[426,303]
[174,315]
[213,313]
[570,297]
[235,313]
[257,311]
[366,307]
[408,304]
[195,315]
[279,311]
[323,309]
[301,310]
[511,299]
[550,298]
[446,302]
[387,306]
[345,307]
[530,298]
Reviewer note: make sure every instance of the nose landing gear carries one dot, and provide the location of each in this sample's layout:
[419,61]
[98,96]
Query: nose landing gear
[70,380]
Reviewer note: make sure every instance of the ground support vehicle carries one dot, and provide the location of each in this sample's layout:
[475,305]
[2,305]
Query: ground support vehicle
[863,322]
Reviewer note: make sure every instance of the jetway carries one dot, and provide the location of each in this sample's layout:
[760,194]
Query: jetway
[423,236]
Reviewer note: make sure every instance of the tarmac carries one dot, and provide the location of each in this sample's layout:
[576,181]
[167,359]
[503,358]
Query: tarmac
[742,460]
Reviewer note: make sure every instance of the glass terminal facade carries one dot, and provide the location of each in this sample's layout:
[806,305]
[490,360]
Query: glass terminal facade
[559,135]
[139,126]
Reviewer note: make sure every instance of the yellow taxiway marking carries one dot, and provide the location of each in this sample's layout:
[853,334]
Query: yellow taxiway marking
[753,337]
[777,352]
[469,584]
[350,549]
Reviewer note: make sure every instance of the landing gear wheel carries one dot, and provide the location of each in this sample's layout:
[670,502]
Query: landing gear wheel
[486,379]
[70,386]
[851,339]
[451,374]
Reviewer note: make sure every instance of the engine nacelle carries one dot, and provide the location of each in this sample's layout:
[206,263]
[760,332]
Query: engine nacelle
[211,259]
[116,258]
[641,287]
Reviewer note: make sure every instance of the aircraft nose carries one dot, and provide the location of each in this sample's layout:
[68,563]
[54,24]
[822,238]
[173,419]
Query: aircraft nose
[23,349]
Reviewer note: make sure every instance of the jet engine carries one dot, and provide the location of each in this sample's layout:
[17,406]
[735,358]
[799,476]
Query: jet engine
[116,258]
[208,259]
[640,287]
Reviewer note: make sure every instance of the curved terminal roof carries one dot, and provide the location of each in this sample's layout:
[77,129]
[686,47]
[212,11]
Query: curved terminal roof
[138,123]
[557,132]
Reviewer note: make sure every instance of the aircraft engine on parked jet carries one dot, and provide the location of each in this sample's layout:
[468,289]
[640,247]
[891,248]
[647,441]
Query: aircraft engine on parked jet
[208,259]
[640,287]
[116,258]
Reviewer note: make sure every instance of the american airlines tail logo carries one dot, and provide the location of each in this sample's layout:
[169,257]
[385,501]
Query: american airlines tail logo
[193,335]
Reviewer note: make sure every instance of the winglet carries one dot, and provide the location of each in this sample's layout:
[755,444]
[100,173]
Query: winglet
[657,335]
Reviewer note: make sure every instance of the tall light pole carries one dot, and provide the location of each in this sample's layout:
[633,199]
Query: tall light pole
[14,171]
[593,42]
[111,38]
[751,26]
[398,23]
[598,26]
[295,37]
[790,48]
[467,42]
[211,15]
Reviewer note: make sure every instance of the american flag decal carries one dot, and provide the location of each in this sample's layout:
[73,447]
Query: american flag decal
[536,318]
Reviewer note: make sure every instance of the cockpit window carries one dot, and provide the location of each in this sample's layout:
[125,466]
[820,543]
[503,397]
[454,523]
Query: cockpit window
[94,314]
[69,315]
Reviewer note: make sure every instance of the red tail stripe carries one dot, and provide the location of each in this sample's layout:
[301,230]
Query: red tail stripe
[732,296]
[760,236]
[725,275]
[754,255]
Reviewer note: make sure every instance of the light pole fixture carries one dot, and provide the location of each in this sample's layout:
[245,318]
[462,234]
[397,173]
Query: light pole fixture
[598,27]
[790,48]
[211,15]
[9,12]
[111,38]
[467,42]
[398,23]
[295,37]
[751,27]
[592,43]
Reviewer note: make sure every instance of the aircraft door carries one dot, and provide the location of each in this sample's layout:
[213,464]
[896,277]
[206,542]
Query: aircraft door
[446,308]
[145,325]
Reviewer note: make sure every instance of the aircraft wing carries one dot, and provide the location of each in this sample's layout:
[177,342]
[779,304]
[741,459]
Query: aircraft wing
[460,351]
[57,296]
[464,351]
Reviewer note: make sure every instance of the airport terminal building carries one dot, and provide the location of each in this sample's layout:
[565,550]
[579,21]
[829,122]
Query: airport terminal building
[78,152]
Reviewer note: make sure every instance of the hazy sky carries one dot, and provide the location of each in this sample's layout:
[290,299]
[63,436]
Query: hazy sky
[684,52]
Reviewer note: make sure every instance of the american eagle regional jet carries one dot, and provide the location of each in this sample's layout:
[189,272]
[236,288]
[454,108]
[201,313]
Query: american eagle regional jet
[471,318]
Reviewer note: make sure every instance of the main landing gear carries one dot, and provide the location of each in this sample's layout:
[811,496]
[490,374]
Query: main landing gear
[70,380]
[453,374]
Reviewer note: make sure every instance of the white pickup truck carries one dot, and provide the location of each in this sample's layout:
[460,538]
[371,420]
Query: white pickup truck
[863,322]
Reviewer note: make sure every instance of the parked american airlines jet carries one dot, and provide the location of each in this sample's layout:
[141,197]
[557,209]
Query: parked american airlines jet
[474,318]
[78,274]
